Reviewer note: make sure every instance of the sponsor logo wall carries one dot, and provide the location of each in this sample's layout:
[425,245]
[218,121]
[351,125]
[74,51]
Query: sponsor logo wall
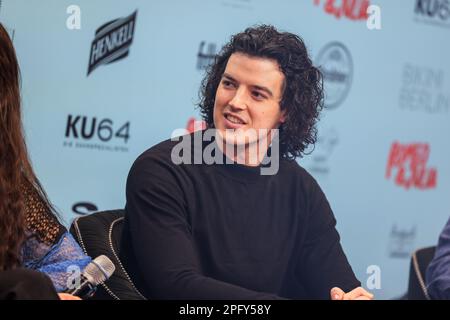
[96,97]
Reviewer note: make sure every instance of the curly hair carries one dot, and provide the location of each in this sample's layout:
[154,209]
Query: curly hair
[15,167]
[302,97]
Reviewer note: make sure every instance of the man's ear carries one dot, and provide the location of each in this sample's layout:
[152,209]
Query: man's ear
[283,117]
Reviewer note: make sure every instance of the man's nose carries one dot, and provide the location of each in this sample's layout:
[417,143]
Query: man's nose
[239,101]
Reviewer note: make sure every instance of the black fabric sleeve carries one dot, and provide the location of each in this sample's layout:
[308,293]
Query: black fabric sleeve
[162,241]
[323,264]
[25,284]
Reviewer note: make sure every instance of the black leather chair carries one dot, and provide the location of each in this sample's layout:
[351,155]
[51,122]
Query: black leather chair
[420,260]
[100,234]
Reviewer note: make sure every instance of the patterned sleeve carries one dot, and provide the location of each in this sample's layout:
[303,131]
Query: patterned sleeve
[48,247]
[58,262]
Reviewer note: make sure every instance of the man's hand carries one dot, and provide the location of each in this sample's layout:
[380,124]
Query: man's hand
[65,296]
[356,294]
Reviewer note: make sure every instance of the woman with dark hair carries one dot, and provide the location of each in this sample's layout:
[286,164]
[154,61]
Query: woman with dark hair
[30,233]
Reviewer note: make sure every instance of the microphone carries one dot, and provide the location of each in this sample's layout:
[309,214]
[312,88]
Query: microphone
[96,272]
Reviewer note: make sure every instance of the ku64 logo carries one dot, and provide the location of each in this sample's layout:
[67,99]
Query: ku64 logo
[87,128]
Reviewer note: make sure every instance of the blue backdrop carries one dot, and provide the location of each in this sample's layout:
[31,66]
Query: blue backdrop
[383,155]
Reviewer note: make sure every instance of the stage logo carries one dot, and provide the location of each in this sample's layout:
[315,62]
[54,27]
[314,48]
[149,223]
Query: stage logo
[112,41]
[401,242]
[206,55]
[433,12]
[424,89]
[336,64]
[94,133]
[407,163]
[327,142]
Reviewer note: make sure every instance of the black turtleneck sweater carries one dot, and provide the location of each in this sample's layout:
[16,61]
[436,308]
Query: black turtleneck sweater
[227,232]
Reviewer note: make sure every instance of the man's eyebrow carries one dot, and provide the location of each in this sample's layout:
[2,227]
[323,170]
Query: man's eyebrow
[267,90]
[226,75]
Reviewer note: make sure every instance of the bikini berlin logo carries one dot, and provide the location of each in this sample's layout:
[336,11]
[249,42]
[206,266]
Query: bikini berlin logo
[112,41]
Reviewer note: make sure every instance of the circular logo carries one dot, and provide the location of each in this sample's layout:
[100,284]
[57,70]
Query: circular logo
[336,64]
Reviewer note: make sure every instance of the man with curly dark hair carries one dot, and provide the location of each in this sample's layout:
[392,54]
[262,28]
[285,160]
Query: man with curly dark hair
[221,229]
[301,95]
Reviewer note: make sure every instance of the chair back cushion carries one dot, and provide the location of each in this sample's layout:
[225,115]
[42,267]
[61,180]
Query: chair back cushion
[100,234]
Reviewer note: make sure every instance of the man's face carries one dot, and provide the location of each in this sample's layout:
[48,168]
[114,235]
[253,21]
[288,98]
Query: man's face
[248,97]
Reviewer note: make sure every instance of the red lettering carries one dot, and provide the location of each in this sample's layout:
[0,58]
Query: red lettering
[432,179]
[410,162]
[395,159]
[349,7]
[352,9]
[331,9]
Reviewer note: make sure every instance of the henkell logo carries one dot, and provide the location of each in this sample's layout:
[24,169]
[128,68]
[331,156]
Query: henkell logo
[410,161]
[351,9]
[112,41]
